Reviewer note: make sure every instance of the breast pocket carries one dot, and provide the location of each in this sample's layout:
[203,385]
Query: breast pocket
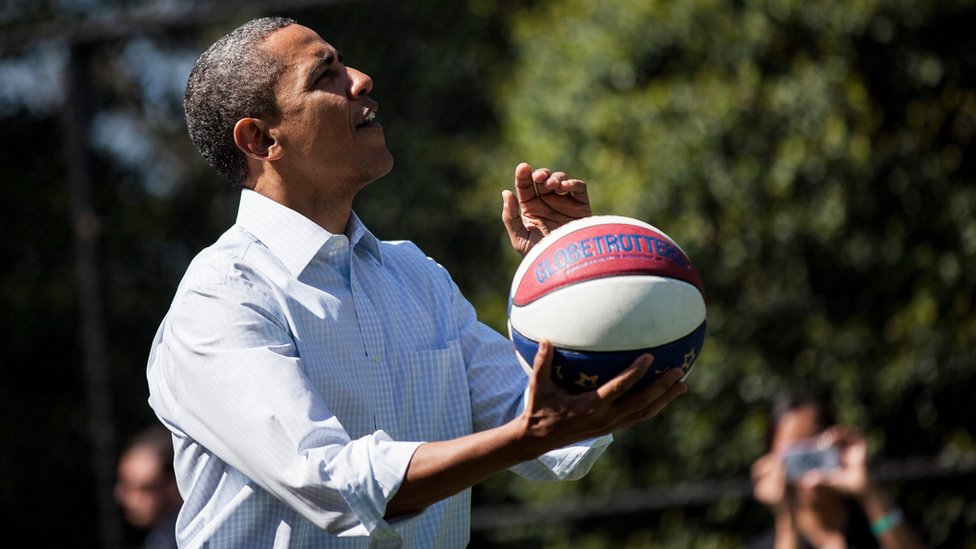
[436,403]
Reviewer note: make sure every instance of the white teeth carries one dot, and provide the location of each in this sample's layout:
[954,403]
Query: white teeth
[367,119]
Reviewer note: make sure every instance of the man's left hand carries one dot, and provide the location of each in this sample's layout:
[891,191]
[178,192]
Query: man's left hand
[543,200]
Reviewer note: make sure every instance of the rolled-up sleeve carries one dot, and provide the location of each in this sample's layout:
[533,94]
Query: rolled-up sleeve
[225,371]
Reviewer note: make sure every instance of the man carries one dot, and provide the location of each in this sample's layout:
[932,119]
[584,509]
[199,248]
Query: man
[325,388]
[146,488]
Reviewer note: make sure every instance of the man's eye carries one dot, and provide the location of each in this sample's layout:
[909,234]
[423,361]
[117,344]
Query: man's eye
[326,74]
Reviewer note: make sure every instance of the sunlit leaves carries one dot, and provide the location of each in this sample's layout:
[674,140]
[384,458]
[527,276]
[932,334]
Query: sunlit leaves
[812,159]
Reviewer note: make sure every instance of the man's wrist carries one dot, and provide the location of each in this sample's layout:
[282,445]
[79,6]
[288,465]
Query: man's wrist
[526,439]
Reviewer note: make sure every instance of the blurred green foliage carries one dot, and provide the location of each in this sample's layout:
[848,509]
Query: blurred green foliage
[814,159]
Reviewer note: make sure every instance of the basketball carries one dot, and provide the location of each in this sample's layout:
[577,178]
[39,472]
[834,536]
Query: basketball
[604,290]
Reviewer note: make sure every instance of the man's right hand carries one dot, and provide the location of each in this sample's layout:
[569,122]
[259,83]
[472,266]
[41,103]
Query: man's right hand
[555,418]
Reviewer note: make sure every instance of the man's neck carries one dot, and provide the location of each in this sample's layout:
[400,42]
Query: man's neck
[328,210]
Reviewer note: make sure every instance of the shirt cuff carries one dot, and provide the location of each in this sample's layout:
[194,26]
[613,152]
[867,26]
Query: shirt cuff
[368,472]
[574,461]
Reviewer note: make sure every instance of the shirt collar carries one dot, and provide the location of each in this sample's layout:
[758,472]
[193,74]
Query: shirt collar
[291,236]
[359,235]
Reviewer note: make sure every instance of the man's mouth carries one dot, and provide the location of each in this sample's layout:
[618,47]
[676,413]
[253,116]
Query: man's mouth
[367,121]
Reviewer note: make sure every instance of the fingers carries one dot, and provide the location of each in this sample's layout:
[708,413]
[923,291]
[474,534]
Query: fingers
[832,435]
[659,387]
[558,183]
[659,404]
[539,179]
[542,364]
[619,385]
[851,442]
[836,479]
[842,435]
[763,466]
[524,183]
[769,480]
[651,400]
[530,184]
[814,478]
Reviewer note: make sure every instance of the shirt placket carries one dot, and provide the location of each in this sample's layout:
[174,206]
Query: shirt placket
[374,346]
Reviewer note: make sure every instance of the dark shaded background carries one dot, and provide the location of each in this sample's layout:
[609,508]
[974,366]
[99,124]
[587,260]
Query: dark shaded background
[815,161]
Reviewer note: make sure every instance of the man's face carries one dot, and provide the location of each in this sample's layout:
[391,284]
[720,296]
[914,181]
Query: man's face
[326,128]
[144,492]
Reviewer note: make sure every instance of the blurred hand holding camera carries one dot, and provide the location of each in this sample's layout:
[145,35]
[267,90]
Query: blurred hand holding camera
[836,459]
[851,475]
[769,481]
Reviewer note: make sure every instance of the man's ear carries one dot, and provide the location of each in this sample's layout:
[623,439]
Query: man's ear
[254,139]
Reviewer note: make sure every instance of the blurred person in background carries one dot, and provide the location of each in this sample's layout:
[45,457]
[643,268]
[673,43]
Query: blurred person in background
[146,489]
[815,479]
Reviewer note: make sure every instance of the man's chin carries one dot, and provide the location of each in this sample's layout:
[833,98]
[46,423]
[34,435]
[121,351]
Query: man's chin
[369,170]
[383,166]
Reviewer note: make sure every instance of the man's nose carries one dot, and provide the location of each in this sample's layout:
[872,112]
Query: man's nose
[360,83]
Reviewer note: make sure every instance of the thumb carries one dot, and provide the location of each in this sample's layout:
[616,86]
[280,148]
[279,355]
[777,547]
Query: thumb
[511,213]
[512,219]
[542,364]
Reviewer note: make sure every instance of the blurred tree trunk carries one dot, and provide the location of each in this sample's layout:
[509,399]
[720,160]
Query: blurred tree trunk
[101,420]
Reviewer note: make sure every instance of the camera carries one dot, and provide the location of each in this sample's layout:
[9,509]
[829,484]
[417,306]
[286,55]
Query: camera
[802,457]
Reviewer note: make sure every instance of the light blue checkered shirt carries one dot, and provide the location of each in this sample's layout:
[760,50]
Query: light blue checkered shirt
[299,370]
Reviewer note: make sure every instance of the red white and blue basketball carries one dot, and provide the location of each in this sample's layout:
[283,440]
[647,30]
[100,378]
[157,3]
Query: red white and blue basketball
[604,290]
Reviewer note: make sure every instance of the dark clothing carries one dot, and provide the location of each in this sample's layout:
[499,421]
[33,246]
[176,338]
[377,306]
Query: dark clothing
[163,536]
[858,536]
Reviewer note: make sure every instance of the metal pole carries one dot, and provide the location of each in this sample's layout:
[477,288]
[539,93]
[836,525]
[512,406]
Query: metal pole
[98,388]
[687,494]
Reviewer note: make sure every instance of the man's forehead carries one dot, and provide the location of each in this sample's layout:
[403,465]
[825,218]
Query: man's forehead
[296,43]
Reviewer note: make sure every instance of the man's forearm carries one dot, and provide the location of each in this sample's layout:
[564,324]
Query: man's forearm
[441,469]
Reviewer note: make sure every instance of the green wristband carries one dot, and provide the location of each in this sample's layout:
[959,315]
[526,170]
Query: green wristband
[887,522]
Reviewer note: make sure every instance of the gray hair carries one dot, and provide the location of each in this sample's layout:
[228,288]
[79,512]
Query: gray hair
[233,79]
